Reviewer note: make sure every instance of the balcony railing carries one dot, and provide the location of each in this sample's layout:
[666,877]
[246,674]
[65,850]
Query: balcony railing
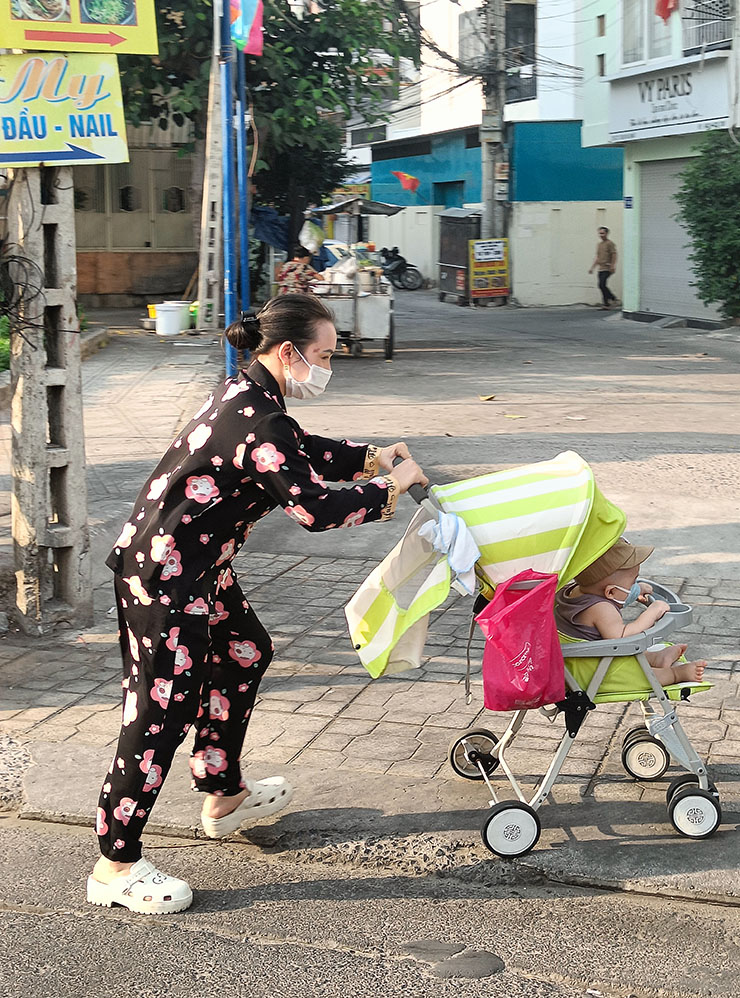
[521,74]
[707,24]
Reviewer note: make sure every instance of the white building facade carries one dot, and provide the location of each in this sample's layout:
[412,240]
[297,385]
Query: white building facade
[654,86]
[558,194]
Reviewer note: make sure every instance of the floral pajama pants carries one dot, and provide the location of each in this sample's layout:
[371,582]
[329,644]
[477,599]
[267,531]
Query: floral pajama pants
[202,666]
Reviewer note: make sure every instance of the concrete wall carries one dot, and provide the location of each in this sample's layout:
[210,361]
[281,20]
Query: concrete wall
[595,91]
[451,160]
[553,245]
[127,278]
[548,164]
[462,106]
[416,233]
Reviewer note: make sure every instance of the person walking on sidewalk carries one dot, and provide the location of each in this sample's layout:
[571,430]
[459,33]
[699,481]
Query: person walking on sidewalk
[605,263]
[193,649]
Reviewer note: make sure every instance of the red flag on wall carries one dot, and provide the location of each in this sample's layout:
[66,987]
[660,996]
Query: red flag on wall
[664,8]
[408,182]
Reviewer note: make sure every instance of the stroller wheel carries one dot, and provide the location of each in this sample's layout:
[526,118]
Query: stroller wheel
[633,733]
[511,828]
[695,813]
[645,758]
[466,751]
[686,780]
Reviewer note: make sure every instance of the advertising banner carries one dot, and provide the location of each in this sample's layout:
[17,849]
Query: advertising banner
[79,25]
[489,268]
[61,109]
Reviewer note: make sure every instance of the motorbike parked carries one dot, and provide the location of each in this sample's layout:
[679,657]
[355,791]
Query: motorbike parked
[399,271]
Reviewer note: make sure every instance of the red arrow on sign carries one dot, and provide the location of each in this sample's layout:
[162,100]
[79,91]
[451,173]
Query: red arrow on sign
[109,37]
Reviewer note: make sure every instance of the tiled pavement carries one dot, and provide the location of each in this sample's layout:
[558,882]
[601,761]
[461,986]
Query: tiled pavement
[319,709]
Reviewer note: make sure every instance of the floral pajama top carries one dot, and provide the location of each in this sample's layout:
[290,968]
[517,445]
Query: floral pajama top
[238,458]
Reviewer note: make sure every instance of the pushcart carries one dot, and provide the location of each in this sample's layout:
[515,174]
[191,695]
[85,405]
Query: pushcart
[361,313]
[363,304]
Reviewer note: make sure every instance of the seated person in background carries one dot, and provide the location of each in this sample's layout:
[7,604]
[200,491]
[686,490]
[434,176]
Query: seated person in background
[591,608]
[297,275]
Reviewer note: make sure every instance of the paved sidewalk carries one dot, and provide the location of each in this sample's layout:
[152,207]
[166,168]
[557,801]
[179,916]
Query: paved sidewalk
[369,757]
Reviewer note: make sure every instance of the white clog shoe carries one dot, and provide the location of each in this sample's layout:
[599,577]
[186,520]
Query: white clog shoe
[265,797]
[144,890]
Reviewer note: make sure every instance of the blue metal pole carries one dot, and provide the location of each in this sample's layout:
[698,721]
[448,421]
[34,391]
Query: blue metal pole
[227,126]
[242,168]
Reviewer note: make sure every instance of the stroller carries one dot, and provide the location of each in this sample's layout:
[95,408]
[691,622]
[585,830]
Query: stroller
[551,517]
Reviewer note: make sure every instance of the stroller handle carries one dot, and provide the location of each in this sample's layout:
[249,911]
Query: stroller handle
[417,491]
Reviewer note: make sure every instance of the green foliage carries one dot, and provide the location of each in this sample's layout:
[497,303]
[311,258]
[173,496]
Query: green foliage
[4,343]
[312,69]
[709,203]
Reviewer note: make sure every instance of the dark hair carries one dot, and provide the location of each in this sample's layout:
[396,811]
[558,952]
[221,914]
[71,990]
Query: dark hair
[291,318]
[301,252]
[603,228]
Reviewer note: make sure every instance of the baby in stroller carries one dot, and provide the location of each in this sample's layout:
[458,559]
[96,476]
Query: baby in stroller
[591,608]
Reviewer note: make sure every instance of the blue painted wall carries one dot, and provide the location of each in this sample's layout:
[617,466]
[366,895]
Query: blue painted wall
[548,164]
[449,162]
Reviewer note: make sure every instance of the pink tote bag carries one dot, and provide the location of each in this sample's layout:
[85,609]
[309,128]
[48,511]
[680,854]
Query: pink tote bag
[522,661]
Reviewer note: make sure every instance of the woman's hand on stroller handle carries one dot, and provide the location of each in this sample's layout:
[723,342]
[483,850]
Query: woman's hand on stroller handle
[393,454]
[408,473]
[410,478]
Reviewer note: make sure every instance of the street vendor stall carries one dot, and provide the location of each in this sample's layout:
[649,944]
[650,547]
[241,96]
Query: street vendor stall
[360,297]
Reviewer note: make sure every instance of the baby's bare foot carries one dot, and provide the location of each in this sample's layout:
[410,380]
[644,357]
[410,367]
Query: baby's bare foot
[689,672]
[667,656]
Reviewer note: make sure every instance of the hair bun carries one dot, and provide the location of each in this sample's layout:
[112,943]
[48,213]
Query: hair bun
[244,334]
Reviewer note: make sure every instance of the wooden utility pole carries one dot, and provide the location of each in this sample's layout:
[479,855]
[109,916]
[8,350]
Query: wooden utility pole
[210,265]
[49,503]
[493,150]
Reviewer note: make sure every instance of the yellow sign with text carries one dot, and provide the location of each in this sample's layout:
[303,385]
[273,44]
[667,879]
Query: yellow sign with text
[79,25]
[61,109]
[489,268]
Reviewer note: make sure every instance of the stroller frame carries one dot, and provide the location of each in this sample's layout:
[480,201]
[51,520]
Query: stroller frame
[512,828]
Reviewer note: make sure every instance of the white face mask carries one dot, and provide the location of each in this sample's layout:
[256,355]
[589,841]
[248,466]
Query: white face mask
[315,383]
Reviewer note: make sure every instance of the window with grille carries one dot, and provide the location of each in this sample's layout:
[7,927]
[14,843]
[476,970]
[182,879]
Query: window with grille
[365,136]
[706,24]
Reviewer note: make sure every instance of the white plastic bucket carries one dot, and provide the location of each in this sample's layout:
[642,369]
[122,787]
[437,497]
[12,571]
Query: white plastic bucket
[172,317]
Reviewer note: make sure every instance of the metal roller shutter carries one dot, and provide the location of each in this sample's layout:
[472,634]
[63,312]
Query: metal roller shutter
[665,270]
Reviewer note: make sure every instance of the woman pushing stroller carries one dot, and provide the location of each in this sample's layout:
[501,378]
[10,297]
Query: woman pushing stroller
[193,649]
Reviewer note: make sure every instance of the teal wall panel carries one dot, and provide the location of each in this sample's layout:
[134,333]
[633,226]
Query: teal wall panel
[449,162]
[548,164]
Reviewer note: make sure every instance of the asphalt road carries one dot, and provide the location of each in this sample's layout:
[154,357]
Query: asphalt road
[278,927]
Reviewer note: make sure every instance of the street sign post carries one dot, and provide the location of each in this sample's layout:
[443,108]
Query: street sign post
[61,109]
[79,25]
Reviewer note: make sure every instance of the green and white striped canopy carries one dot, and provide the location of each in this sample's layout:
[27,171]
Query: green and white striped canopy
[549,516]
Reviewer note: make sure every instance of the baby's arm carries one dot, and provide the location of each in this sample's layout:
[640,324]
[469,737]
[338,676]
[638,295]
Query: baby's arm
[607,619]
